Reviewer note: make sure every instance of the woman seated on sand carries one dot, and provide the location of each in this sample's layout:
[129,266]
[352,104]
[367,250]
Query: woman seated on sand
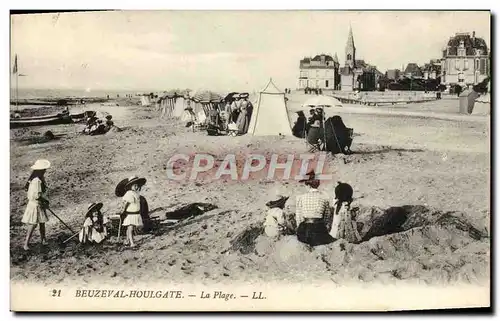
[98,128]
[313,215]
[344,225]
[300,127]
[314,135]
[94,227]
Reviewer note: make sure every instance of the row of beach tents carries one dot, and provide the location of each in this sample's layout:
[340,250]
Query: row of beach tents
[269,115]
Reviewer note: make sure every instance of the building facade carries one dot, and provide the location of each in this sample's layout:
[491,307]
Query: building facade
[393,74]
[465,60]
[412,70]
[320,72]
[432,70]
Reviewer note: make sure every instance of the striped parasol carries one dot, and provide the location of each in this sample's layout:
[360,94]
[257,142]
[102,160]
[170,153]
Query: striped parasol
[207,96]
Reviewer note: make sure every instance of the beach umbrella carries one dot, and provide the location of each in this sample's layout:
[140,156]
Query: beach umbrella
[230,96]
[172,93]
[322,101]
[207,96]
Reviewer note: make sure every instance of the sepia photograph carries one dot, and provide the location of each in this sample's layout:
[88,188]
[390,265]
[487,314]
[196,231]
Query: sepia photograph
[287,160]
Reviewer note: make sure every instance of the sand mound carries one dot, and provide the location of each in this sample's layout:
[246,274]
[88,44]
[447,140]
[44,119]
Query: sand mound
[30,137]
[398,243]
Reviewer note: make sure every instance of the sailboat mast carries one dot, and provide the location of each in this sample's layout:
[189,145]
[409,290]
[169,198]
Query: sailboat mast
[17,91]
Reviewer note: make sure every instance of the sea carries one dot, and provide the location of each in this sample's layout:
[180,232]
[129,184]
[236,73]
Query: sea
[28,93]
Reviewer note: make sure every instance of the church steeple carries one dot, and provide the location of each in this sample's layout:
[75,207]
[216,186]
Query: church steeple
[350,50]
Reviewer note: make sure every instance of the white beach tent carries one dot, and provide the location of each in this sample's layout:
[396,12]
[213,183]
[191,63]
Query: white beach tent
[482,105]
[270,114]
[179,107]
[145,101]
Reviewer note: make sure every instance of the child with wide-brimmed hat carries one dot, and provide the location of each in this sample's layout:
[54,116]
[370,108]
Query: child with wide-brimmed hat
[35,213]
[94,227]
[132,207]
[275,222]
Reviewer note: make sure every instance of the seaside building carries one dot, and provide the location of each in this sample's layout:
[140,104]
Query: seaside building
[465,60]
[393,74]
[432,70]
[412,70]
[357,74]
[320,72]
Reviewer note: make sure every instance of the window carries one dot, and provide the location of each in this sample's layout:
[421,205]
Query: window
[457,64]
[326,84]
[482,66]
[349,57]
[476,66]
[466,64]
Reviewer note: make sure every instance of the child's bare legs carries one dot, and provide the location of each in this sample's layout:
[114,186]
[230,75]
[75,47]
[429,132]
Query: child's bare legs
[130,235]
[31,229]
[42,233]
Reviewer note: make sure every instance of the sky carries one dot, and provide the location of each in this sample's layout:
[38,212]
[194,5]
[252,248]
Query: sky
[219,50]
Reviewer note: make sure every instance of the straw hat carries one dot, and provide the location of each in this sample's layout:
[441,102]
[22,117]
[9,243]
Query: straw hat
[120,188]
[41,164]
[311,180]
[93,207]
[310,176]
[244,95]
[135,180]
[277,197]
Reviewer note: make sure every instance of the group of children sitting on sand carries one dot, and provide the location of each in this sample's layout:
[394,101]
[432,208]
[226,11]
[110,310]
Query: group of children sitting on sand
[134,213]
[96,126]
[311,217]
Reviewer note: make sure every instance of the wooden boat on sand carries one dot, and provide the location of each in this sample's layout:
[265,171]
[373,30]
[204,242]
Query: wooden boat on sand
[57,119]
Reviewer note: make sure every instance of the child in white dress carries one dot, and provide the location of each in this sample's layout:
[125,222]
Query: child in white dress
[94,228]
[35,213]
[132,207]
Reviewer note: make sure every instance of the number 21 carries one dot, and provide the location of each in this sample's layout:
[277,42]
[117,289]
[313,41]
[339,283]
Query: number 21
[56,292]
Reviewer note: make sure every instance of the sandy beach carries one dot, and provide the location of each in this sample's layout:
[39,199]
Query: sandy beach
[424,157]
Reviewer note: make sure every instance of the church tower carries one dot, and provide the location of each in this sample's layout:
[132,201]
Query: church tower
[350,50]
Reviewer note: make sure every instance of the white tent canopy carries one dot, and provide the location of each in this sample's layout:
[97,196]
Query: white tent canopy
[145,101]
[270,115]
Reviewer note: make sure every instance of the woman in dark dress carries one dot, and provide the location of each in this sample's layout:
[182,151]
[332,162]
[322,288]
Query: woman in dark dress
[299,128]
[338,136]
